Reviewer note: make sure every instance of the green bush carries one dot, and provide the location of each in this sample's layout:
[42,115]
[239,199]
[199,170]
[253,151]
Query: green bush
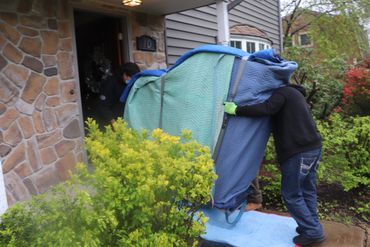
[345,160]
[63,217]
[323,79]
[270,174]
[145,190]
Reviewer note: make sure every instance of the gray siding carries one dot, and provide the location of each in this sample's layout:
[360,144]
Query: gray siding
[189,29]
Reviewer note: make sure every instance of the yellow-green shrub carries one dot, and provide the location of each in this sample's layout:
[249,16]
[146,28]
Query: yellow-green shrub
[145,190]
[346,157]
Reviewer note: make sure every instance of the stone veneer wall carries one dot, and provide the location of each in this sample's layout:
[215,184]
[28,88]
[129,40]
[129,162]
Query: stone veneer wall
[40,134]
[153,26]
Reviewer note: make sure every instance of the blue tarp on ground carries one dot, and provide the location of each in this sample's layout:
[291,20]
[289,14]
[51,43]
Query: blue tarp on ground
[254,229]
[190,95]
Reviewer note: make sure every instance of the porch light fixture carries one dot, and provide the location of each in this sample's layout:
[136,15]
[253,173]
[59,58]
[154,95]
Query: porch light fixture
[131,3]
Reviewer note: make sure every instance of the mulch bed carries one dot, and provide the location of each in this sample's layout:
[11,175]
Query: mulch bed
[334,205]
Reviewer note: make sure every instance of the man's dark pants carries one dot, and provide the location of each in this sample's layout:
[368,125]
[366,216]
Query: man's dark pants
[298,189]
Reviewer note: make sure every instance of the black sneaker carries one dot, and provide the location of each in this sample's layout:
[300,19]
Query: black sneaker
[207,243]
[304,241]
[299,230]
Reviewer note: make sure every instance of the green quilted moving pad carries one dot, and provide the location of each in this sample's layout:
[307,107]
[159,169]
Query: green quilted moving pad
[191,96]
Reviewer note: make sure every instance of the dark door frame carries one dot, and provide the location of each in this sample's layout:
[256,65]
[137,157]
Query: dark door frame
[126,51]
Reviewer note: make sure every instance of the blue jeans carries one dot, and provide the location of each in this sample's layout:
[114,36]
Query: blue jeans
[298,189]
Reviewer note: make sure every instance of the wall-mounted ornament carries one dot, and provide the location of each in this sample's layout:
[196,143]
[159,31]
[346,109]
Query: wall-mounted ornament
[146,43]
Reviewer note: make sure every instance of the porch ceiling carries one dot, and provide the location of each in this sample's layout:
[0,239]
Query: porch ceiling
[162,7]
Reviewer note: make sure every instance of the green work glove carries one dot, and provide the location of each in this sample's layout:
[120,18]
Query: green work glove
[230,108]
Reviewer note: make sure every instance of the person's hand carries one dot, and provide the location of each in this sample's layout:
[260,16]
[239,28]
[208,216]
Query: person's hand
[230,108]
[112,121]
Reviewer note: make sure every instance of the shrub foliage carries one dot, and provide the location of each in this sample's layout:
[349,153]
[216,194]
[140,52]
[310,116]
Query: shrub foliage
[356,91]
[145,190]
[322,78]
[345,159]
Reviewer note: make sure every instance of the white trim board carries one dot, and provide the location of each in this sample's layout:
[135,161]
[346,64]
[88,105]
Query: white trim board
[3,201]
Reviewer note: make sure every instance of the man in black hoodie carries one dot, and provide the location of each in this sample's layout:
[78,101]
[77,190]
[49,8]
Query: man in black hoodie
[108,107]
[298,148]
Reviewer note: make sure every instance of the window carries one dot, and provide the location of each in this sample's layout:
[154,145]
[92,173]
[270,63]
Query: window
[249,45]
[236,44]
[304,40]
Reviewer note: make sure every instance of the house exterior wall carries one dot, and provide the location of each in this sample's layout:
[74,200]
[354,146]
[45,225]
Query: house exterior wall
[300,26]
[41,136]
[153,26]
[41,126]
[189,29]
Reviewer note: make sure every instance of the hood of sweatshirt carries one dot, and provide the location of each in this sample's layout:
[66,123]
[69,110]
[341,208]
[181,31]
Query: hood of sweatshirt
[299,88]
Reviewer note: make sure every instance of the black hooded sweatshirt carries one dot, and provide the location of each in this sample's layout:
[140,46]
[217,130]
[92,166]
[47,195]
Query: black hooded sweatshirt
[293,127]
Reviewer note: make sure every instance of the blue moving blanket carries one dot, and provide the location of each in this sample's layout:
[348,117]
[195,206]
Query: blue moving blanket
[190,95]
[254,229]
[242,147]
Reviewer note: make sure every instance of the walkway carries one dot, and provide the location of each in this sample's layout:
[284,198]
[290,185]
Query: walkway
[341,235]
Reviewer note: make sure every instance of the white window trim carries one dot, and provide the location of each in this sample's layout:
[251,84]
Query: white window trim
[3,200]
[255,40]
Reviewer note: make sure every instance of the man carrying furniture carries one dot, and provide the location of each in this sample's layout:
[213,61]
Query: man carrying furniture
[298,148]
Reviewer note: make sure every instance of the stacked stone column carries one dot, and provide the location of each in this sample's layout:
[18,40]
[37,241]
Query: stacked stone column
[40,133]
[153,26]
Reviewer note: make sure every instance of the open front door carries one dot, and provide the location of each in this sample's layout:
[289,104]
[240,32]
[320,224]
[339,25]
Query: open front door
[99,46]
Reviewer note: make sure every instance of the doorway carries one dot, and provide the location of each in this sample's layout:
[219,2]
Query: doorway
[100,52]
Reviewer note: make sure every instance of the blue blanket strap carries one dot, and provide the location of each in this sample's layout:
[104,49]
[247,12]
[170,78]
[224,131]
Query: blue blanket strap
[241,211]
[238,78]
[222,134]
[233,94]
[163,80]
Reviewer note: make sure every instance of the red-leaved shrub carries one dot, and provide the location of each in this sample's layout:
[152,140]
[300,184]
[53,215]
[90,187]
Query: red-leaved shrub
[356,91]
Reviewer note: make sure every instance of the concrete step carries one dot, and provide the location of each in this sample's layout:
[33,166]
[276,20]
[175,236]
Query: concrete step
[341,235]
